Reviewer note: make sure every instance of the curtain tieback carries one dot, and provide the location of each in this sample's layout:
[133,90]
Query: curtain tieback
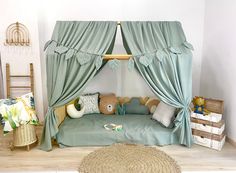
[50,109]
[187,108]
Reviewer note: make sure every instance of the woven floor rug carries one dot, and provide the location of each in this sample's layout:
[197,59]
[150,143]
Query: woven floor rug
[126,158]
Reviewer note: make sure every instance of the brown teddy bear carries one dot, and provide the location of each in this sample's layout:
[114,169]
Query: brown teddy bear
[107,104]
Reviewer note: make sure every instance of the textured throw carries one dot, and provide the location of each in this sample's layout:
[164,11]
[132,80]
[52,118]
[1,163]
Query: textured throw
[120,158]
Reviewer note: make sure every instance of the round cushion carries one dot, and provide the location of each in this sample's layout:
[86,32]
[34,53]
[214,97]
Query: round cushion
[152,104]
[73,112]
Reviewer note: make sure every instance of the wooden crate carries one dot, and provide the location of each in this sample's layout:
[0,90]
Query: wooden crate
[208,139]
[208,126]
[213,105]
[212,117]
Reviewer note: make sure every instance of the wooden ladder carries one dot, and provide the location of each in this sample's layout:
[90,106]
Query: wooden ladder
[9,76]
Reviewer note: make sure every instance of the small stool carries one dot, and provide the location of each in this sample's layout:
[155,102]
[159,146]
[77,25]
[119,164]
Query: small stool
[24,135]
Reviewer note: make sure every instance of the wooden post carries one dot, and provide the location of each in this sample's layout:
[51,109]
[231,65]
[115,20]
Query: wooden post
[8,80]
[32,78]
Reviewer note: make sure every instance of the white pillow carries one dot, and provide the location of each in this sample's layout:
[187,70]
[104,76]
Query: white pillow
[90,102]
[164,114]
[73,113]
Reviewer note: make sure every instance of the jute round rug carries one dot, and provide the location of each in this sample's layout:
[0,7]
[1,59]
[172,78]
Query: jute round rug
[126,158]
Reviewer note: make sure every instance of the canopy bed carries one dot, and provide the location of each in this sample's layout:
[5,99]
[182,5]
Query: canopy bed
[78,50]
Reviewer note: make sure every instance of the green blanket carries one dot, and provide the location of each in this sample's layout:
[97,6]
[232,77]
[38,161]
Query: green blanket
[89,131]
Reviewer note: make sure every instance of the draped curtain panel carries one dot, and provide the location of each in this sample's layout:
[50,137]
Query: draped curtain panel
[164,59]
[74,56]
[1,81]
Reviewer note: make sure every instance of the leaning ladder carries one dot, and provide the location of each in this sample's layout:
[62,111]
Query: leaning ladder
[9,76]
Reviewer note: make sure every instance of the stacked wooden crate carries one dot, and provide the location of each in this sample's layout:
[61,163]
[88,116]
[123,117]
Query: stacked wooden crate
[208,130]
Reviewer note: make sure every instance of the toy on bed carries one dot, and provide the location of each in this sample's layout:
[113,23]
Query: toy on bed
[113,126]
[107,104]
[199,103]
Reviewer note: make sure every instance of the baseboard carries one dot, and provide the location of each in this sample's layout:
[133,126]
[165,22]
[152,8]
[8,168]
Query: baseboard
[231,141]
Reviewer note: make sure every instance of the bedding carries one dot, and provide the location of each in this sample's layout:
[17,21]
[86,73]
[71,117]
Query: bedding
[89,131]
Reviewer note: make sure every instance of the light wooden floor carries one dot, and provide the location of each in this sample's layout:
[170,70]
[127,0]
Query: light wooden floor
[196,158]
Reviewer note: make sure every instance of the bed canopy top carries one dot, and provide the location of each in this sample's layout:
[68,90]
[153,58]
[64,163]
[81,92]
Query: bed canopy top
[159,51]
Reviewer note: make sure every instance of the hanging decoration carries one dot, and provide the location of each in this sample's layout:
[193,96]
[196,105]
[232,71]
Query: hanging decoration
[131,64]
[114,64]
[17,35]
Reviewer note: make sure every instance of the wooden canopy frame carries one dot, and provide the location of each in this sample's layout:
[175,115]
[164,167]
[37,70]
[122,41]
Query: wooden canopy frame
[117,56]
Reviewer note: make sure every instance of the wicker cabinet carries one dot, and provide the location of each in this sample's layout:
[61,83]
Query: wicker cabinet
[208,130]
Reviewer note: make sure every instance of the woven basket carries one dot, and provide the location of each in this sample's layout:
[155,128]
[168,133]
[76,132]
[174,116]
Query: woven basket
[24,135]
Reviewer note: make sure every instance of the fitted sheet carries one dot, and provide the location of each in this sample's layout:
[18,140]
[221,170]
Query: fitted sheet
[89,131]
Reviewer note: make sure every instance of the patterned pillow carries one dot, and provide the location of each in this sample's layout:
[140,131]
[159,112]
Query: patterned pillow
[90,102]
[14,112]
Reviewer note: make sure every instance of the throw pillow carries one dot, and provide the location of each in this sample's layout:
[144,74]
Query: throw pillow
[135,107]
[164,114]
[152,104]
[107,104]
[29,104]
[90,102]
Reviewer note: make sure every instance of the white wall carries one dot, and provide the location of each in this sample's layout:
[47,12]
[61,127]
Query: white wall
[219,61]
[19,57]
[122,82]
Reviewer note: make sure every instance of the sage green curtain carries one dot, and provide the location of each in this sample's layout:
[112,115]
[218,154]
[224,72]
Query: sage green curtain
[163,57]
[74,56]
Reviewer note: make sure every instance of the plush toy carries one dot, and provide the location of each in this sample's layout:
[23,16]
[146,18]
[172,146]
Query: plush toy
[198,103]
[107,104]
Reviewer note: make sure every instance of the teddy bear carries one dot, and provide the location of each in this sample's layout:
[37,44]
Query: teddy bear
[199,103]
[107,104]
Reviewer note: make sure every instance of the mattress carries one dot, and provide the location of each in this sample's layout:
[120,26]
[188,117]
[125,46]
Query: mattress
[89,131]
